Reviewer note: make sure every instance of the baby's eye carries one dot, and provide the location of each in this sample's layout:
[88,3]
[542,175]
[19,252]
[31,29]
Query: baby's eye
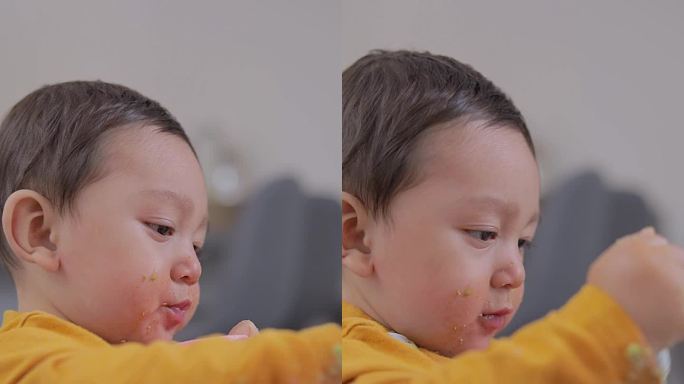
[163,230]
[482,235]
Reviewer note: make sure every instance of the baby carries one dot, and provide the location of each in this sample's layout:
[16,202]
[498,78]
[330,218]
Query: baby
[440,200]
[104,217]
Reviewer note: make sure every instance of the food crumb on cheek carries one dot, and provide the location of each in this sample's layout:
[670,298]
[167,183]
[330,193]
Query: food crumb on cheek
[153,276]
[464,292]
[460,329]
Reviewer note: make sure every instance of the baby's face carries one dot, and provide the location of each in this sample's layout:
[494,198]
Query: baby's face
[129,267]
[450,261]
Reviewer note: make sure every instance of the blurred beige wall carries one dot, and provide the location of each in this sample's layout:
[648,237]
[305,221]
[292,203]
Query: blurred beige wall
[600,82]
[264,73]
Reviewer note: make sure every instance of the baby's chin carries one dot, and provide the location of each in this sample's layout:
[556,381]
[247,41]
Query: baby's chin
[160,330]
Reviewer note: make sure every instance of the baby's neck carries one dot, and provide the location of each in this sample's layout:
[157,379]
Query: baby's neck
[356,297]
[28,300]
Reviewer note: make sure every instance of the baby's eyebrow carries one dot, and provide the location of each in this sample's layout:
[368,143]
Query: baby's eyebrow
[501,206]
[183,202]
[493,203]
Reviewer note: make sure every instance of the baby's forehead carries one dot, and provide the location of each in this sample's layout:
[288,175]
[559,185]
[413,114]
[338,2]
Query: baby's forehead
[136,146]
[155,165]
[488,168]
[166,197]
[481,147]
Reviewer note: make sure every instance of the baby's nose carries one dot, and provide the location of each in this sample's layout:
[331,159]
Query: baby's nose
[510,275]
[187,270]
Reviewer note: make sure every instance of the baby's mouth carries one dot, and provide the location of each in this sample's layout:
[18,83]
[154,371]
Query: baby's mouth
[175,314]
[494,321]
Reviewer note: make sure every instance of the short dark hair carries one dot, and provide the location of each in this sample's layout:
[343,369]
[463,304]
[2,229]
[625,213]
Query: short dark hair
[51,140]
[390,99]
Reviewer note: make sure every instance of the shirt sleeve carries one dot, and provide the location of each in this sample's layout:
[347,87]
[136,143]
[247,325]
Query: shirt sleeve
[590,340]
[274,356]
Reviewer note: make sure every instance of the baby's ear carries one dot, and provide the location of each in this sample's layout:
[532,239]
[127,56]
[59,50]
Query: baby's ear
[28,221]
[356,250]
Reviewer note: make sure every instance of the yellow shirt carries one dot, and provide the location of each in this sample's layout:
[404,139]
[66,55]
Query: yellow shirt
[36,347]
[590,340]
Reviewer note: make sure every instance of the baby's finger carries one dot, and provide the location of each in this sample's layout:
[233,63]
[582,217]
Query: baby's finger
[647,235]
[648,231]
[246,328]
[652,237]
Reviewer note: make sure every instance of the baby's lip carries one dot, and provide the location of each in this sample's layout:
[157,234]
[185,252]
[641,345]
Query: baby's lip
[181,305]
[175,313]
[499,312]
[495,320]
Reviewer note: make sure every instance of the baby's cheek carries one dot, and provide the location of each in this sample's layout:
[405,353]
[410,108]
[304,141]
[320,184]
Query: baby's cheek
[468,302]
[143,302]
[469,298]
[459,331]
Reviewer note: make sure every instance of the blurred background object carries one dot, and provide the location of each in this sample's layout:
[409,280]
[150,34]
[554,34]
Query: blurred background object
[600,85]
[257,87]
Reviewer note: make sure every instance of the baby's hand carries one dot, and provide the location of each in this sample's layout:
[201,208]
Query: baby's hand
[645,275]
[243,330]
